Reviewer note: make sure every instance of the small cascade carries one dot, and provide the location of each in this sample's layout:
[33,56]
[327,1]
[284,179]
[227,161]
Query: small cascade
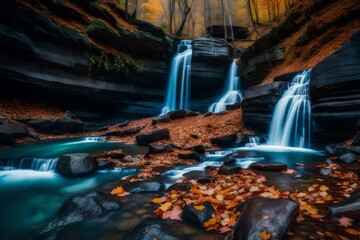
[37,164]
[178,92]
[253,141]
[290,125]
[232,94]
[95,139]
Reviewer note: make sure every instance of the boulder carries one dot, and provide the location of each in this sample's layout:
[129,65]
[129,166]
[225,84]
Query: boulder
[228,170]
[15,130]
[197,148]
[117,154]
[68,125]
[80,208]
[200,176]
[143,187]
[267,165]
[197,217]
[160,148]
[123,124]
[42,125]
[76,165]
[224,140]
[189,155]
[163,119]
[105,164]
[258,105]
[151,229]
[348,208]
[279,215]
[336,149]
[335,91]
[6,140]
[192,113]
[124,133]
[150,137]
[177,114]
[180,187]
[348,157]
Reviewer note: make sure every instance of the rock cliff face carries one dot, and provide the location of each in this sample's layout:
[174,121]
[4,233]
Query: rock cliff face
[335,91]
[82,49]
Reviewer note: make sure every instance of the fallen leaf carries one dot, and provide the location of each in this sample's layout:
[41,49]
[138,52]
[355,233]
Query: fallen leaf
[345,222]
[323,188]
[224,229]
[158,200]
[166,206]
[210,222]
[199,207]
[264,235]
[352,231]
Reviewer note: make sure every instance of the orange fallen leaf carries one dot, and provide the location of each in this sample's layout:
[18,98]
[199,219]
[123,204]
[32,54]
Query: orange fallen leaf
[210,222]
[323,188]
[224,229]
[119,191]
[352,231]
[199,207]
[158,200]
[264,235]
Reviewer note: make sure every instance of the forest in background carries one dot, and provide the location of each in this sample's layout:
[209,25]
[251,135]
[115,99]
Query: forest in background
[190,18]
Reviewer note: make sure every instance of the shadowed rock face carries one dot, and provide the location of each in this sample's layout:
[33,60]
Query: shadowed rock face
[335,91]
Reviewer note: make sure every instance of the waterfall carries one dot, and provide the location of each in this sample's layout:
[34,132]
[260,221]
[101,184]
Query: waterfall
[95,139]
[178,92]
[253,141]
[290,125]
[37,164]
[232,94]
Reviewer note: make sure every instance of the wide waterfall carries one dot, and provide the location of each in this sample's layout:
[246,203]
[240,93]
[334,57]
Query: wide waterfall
[290,125]
[232,94]
[37,164]
[178,92]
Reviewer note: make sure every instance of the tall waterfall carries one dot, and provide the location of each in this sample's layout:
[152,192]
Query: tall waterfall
[232,94]
[178,92]
[290,125]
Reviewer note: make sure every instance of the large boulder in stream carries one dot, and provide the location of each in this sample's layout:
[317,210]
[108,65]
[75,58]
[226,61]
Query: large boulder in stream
[150,137]
[15,130]
[259,214]
[348,208]
[76,165]
[335,91]
[258,104]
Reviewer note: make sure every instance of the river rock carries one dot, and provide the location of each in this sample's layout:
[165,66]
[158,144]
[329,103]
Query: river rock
[180,187]
[161,119]
[224,140]
[124,133]
[177,114]
[348,208]
[68,125]
[117,154]
[336,149]
[143,187]
[197,217]
[189,155]
[259,214]
[15,130]
[335,91]
[348,157]
[197,148]
[6,140]
[267,165]
[42,125]
[190,113]
[200,176]
[151,229]
[76,165]
[150,137]
[228,170]
[160,148]
[105,164]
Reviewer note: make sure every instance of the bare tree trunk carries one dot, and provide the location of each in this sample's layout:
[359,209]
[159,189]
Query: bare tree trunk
[223,17]
[184,17]
[251,16]
[268,9]
[127,9]
[171,15]
[277,2]
[134,14]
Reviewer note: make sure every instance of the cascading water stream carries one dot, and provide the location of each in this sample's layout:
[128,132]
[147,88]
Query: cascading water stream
[232,94]
[178,92]
[290,125]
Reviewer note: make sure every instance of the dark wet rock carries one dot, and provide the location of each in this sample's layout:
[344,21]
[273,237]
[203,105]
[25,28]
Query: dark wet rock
[123,124]
[335,149]
[116,154]
[143,187]
[335,91]
[174,146]
[68,125]
[100,129]
[325,171]
[131,159]
[124,133]
[267,165]
[42,125]
[355,149]
[241,140]
[189,155]
[76,165]
[150,229]
[196,217]
[225,140]
[15,130]
[198,148]
[218,31]
[160,148]
[200,176]
[105,164]
[234,106]
[348,208]
[176,114]
[192,113]
[211,49]
[184,187]
[348,158]
[163,119]
[6,140]
[150,137]
[258,105]
[228,170]
[208,114]
[287,77]
[251,222]
[80,208]
[356,140]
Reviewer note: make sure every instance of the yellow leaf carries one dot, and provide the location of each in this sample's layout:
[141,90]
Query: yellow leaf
[323,188]
[195,190]
[165,206]
[352,231]
[210,222]
[158,200]
[118,190]
[264,235]
[199,207]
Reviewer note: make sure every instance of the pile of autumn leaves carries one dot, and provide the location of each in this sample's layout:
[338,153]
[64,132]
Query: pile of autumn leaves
[227,192]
